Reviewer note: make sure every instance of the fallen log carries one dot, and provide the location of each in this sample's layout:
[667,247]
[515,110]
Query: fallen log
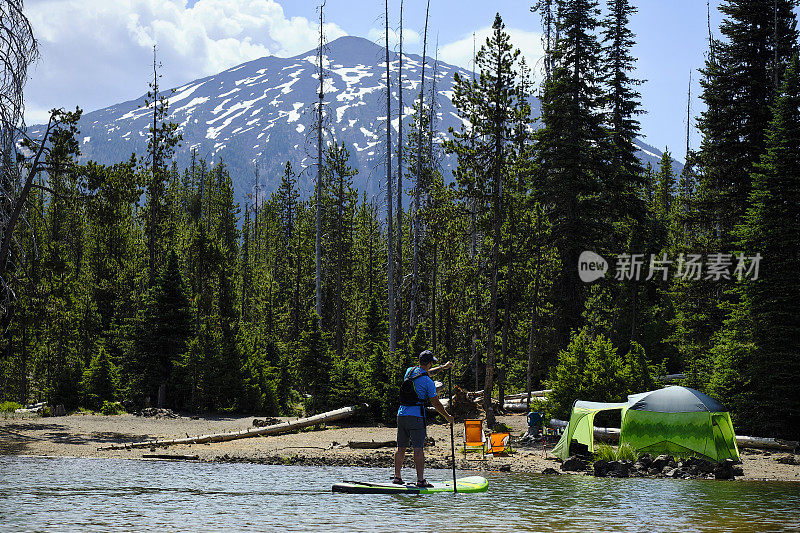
[766,443]
[283,427]
[167,457]
[372,445]
[742,441]
[609,434]
[512,398]
[515,407]
[523,396]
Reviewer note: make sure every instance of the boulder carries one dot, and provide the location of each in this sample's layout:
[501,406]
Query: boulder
[645,460]
[551,471]
[269,421]
[725,469]
[663,460]
[787,460]
[675,473]
[620,469]
[601,468]
[574,464]
[697,466]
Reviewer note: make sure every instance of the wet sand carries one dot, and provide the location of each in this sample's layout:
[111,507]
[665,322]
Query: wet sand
[81,435]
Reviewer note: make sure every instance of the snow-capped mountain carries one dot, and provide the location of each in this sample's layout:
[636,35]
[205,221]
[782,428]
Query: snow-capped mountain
[263,113]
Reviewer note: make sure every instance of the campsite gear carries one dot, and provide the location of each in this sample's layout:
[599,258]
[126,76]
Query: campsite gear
[452,439]
[498,443]
[535,421]
[465,485]
[474,439]
[679,421]
[674,420]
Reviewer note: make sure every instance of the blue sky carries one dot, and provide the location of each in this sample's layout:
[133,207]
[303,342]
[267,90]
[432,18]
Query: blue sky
[103,57]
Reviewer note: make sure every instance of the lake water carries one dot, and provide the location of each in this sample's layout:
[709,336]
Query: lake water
[66,494]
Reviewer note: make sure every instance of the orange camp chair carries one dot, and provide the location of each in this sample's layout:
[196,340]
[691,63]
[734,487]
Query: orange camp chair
[474,439]
[498,444]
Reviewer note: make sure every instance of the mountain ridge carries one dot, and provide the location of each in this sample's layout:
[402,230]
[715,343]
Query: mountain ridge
[262,112]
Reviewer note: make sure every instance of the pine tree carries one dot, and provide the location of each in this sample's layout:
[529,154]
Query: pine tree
[665,185]
[757,352]
[496,97]
[160,336]
[739,85]
[340,197]
[623,179]
[569,152]
[99,382]
[315,366]
[162,139]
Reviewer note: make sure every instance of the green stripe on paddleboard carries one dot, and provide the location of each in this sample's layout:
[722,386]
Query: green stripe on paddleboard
[465,485]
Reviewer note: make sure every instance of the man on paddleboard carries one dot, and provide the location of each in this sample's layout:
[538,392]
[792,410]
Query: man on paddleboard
[417,389]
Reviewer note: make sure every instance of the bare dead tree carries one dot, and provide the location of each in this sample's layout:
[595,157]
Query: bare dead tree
[18,52]
[22,158]
[389,221]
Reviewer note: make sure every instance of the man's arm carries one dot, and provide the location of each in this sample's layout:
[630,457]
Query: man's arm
[440,408]
[447,366]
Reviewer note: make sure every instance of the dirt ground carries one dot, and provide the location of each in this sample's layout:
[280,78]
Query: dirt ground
[81,435]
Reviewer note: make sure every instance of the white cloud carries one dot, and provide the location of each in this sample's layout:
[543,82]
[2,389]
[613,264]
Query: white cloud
[460,52]
[99,52]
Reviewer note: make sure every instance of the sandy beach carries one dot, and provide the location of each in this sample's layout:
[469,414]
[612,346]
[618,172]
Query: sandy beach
[81,435]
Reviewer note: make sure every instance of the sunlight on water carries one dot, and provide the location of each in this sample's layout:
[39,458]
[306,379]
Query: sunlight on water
[114,495]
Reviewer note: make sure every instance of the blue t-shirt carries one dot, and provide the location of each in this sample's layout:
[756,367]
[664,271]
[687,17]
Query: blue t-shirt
[425,389]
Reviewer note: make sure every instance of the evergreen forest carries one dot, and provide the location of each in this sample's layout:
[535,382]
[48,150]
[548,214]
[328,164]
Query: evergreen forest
[148,284]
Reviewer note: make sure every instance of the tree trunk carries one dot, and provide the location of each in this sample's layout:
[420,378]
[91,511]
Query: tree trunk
[389,237]
[400,141]
[318,240]
[417,186]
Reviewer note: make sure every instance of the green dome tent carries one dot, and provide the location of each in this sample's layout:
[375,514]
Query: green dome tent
[675,420]
[679,421]
[581,425]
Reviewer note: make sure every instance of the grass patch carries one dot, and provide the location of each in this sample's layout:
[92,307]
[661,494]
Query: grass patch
[625,452]
[604,452]
[111,408]
[9,407]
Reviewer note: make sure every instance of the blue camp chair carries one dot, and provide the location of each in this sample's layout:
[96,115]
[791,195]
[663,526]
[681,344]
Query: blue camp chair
[535,422]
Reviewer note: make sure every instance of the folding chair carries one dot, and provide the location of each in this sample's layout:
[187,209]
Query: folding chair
[474,439]
[535,423]
[498,444]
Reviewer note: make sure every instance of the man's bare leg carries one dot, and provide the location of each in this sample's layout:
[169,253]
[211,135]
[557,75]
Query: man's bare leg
[399,456]
[419,462]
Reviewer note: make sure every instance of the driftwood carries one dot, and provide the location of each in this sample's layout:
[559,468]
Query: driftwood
[171,457]
[283,427]
[463,407]
[371,445]
[742,441]
[766,443]
[512,398]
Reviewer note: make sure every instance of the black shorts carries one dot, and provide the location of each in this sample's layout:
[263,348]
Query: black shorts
[410,429]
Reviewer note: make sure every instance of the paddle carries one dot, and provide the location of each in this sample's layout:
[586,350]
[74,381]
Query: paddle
[452,443]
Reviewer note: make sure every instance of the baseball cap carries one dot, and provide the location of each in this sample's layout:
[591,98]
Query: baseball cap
[427,357]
